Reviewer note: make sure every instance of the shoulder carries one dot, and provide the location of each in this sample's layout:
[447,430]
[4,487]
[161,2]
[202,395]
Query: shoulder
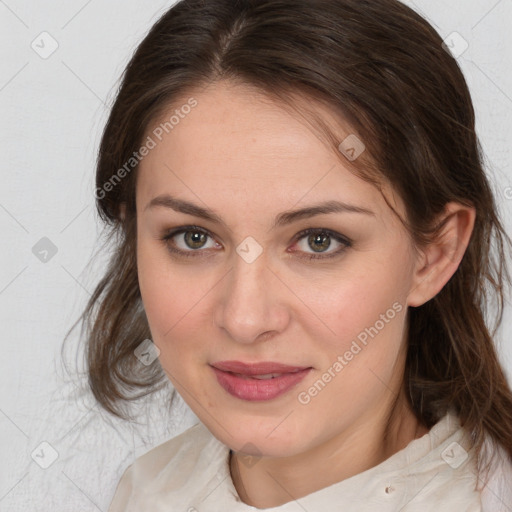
[496,493]
[191,441]
[168,467]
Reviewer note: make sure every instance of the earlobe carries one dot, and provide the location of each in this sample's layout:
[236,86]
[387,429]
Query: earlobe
[441,258]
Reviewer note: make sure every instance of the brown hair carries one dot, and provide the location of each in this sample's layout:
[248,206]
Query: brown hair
[384,69]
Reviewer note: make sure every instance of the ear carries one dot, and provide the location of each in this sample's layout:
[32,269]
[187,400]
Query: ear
[438,261]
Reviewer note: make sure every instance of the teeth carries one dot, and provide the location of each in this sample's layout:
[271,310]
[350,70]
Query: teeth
[266,376]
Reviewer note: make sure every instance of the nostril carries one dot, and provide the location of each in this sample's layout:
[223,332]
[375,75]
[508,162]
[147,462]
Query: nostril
[265,335]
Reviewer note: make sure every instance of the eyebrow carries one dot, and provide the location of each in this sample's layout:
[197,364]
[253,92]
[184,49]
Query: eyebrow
[284,218]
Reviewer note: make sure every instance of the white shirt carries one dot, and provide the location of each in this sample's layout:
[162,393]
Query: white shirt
[190,473]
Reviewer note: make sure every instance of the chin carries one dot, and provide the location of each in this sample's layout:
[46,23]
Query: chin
[258,436]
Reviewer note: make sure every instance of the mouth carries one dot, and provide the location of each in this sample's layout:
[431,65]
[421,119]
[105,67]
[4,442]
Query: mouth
[266,376]
[258,381]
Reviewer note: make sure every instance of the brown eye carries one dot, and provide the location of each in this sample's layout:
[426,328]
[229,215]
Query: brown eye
[315,242]
[195,239]
[319,242]
[189,241]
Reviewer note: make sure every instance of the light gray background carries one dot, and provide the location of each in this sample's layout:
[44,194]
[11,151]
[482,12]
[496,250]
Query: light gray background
[52,114]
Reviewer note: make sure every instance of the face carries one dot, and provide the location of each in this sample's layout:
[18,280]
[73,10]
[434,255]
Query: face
[323,293]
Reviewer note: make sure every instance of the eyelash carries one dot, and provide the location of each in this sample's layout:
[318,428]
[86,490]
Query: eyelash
[346,242]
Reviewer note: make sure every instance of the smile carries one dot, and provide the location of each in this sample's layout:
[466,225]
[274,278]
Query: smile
[258,381]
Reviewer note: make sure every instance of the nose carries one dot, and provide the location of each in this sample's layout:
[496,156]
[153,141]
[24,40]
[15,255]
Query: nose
[252,302]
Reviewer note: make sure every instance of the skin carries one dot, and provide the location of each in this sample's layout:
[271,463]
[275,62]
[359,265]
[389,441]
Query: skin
[248,159]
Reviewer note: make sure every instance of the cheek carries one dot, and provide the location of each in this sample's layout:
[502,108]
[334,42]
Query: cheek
[364,303]
[366,309]
[367,312]
[174,301]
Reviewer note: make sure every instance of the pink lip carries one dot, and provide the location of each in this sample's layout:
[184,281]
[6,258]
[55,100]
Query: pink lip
[237,379]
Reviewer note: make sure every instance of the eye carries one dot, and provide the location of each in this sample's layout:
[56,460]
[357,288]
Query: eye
[188,241]
[320,240]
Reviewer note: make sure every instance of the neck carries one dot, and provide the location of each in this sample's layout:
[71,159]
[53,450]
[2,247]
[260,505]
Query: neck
[272,482]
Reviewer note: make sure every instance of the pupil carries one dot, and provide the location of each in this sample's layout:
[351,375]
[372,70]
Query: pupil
[322,239]
[194,239]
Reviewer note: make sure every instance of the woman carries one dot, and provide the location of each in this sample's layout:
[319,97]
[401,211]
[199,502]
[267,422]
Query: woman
[303,229]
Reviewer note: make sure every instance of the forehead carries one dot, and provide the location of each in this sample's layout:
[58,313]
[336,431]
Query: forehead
[237,144]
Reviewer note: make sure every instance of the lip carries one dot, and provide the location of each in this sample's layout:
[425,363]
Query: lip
[237,378]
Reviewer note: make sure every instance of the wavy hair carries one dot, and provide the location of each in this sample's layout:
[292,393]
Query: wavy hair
[384,70]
